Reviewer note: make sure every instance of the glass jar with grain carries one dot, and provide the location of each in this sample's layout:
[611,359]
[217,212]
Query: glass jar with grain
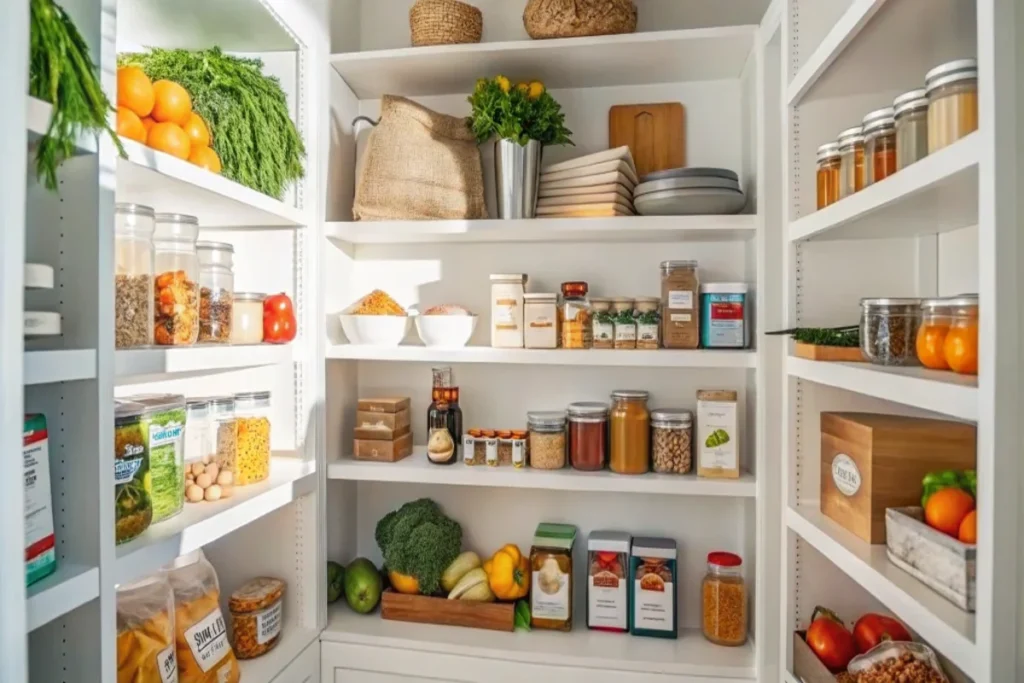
[175,280]
[724,598]
[936,317]
[547,440]
[851,161]
[879,145]
[625,323]
[588,435]
[888,330]
[910,112]
[133,275]
[672,440]
[952,102]
[828,174]
[575,316]
[252,414]
[629,432]
[216,291]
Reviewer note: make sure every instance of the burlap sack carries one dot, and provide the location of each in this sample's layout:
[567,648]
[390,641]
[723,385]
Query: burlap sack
[419,165]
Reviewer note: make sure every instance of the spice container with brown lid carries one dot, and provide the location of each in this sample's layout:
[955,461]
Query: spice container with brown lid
[828,174]
[851,161]
[256,619]
[724,598]
[879,145]
[910,113]
[680,285]
[952,102]
[474,447]
[588,435]
[519,448]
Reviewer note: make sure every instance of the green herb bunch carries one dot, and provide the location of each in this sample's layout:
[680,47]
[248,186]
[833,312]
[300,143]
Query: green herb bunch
[62,72]
[246,110]
[522,113]
[823,336]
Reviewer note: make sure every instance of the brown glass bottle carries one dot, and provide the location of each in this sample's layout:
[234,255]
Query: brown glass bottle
[442,448]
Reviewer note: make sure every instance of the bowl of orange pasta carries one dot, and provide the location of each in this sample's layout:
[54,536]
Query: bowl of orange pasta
[375,320]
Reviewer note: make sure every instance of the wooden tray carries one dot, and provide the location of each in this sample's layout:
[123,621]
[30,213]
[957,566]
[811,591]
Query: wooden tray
[847,354]
[422,609]
[941,562]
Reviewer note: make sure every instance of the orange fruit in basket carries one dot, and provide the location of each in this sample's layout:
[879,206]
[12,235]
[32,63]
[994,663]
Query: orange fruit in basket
[169,138]
[135,90]
[969,528]
[204,157]
[947,509]
[147,123]
[197,130]
[129,125]
[172,104]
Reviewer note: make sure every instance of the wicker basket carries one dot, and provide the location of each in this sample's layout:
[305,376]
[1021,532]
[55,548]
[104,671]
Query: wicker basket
[445,22]
[574,18]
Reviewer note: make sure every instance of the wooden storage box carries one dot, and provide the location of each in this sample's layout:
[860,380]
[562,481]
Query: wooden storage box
[871,462]
[382,426]
[384,405]
[941,562]
[423,609]
[807,668]
[847,354]
[384,451]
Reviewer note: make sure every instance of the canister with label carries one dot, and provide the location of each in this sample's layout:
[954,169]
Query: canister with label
[725,316]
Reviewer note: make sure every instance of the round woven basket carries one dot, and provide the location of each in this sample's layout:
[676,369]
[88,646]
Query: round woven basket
[445,22]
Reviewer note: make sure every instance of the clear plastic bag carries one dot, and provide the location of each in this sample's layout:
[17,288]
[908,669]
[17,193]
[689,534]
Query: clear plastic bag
[894,650]
[145,632]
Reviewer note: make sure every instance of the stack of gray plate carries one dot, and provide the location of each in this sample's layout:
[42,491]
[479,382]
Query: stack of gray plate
[689,192]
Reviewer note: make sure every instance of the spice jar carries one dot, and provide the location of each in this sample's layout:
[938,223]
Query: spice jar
[490,438]
[936,317]
[540,328]
[507,297]
[625,323]
[133,275]
[952,102]
[176,280]
[680,327]
[504,447]
[256,617]
[828,174]
[520,439]
[911,116]
[603,323]
[725,600]
[888,330]
[672,440]
[851,161]
[474,447]
[547,440]
[223,431]
[216,291]
[879,145]
[247,318]
[648,322]
[575,316]
[588,435]
[252,417]
[629,432]
[961,345]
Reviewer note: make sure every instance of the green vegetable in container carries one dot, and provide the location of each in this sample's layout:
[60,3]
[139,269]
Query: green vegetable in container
[717,438]
[933,482]
[164,424]
[420,541]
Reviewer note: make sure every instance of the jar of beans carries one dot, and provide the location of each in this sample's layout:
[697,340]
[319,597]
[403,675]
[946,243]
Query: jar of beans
[724,597]
[547,440]
[671,440]
[252,418]
[256,617]
[588,435]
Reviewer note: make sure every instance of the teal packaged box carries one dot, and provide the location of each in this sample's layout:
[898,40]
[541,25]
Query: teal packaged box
[40,548]
[653,596]
[724,316]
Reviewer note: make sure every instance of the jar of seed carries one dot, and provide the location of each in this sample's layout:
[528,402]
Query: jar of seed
[671,440]
[888,330]
[547,440]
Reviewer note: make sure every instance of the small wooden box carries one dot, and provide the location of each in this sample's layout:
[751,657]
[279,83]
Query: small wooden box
[871,462]
[382,426]
[941,562]
[423,609]
[384,405]
[806,666]
[384,451]
[848,354]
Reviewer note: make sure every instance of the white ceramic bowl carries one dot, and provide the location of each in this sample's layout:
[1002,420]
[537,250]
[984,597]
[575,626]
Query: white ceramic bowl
[452,331]
[375,330]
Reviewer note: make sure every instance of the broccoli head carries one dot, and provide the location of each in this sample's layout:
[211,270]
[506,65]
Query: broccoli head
[418,540]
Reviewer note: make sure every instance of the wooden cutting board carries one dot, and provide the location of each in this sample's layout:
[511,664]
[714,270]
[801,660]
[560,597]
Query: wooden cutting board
[654,133]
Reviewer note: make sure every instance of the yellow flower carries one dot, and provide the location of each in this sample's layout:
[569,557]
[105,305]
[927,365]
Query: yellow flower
[523,87]
[503,83]
[481,83]
[536,90]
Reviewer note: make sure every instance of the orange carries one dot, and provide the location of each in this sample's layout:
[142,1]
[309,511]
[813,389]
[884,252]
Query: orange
[148,122]
[197,131]
[129,125]
[946,510]
[931,339]
[961,348]
[204,157]
[172,104]
[404,583]
[135,90]
[169,138]
[969,528]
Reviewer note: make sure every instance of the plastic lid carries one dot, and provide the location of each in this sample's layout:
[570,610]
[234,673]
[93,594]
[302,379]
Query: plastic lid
[671,417]
[910,100]
[544,296]
[588,409]
[250,296]
[197,406]
[134,209]
[127,411]
[155,403]
[723,559]
[828,150]
[951,72]
[879,118]
[253,396]
[851,136]
[219,246]
[890,302]
[575,288]
[725,288]
[545,419]
[631,394]
[176,218]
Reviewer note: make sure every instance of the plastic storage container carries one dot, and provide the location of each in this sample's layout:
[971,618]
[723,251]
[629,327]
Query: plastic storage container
[216,291]
[252,417]
[961,344]
[256,617]
[223,431]
[247,318]
[163,422]
[577,326]
[176,280]
[629,432]
[725,316]
[888,330]
[879,145]
[588,435]
[911,117]
[133,488]
[851,161]
[724,598]
[936,317]
[828,174]
[133,278]
[672,440]
[952,102]
[199,443]
[547,440]
[507,298]
[540,328]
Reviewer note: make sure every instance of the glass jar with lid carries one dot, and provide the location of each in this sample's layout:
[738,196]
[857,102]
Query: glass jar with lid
[547,440]
[671,440]
[247,318]
[828,174]
[252,419]
[629,431]
[952,102]
[888,330]
[223,431]
[961,344]
[724,599]
[851,161]
[216,291]
[576,316]
[910,113]
[588,435]
[176,280]
[879,145]
[133,275]
[197,432]
[936,317]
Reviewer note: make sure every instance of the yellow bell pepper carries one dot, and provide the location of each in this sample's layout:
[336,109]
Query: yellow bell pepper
[508,573]
[404,583]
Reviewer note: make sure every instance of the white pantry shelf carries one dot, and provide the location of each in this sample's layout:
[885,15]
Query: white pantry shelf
[937,194]
[202,359]
[416,469]
[689,655]
[68,588]
[45,367]
[38,121]
[948,629]
[265,668]
[201,523]
[587,62]
[934,390]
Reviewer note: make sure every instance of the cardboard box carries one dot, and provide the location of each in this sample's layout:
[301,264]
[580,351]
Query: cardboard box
[384,451]
[382,426]
[384,405]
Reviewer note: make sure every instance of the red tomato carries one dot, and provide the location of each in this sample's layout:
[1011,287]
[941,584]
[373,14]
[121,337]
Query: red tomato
[872,629]
[279,325]
[830,640]
[279,304]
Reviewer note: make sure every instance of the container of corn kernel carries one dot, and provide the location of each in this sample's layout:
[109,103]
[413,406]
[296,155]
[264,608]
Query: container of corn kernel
[256,617]
[252,447]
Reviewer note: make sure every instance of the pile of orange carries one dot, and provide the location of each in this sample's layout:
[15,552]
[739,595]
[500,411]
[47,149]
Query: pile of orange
[952,511]
[160,115]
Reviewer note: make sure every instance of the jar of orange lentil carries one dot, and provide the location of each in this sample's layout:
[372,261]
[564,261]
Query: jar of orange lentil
[725,600]
[256,619]
[252,446]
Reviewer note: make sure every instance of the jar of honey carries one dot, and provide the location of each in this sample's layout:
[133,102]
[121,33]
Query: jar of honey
[961,343]
[828,174]
[936,317]
[879,145]
[630,432]
[851,161]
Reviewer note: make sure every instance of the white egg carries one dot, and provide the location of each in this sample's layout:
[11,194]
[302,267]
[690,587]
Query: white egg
[204,480]
[213,493]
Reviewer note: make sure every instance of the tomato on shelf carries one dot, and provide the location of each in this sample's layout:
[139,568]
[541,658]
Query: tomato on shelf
[830,640]
[279,325]
[872,629]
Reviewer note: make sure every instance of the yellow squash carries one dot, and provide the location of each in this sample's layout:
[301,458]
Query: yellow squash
[508,573]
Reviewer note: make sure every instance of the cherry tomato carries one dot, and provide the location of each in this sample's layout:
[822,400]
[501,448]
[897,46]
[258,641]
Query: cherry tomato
[872,629]
[830,640]
[279,324]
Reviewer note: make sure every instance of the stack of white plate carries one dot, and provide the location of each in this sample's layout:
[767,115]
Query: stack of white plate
[598,184]
[689,192]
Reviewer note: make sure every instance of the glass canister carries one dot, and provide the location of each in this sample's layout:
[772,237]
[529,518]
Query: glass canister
[910,113]
[256,616]
[216,291]
[961,344]
[223,431]
[576,316]
[629,432]
[176,280]
[197,432]
[588,435]
[952,102]
[828,174]
[133,278]
[879,145]
[680,305]
[603,323]
[888,330]
[936,317]
[851,161]
[672,440]
[547,440]
[252,419]
[247,318]
[724,598]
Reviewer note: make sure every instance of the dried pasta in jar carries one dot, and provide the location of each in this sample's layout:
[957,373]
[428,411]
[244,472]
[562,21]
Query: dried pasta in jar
[252,447]
[256,610]
[145,632]
[724,597]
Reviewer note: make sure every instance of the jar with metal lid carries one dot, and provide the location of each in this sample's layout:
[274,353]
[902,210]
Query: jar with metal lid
[176,280]
[828,174]
[223,431]
[133,275]
[888,330]
[910,113]
[547,440]
[252,419]
[625,323]
[603,335]
[247,318]
[671,440]
[588,435]
[879,145]
[936,317]
[952,102]
[629,432]
[216,291]
[197,432]
[256,610]
[851,161]
[724,599]
[961,344]
[576,316]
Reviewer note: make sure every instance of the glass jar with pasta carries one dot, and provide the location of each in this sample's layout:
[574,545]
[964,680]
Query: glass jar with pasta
[724,597]
[252,417]
[629,429]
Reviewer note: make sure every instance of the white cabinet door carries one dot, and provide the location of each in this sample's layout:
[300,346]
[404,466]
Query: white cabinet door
[304,669]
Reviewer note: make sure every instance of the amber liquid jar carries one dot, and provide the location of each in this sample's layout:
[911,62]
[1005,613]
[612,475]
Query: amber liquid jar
[828,174]
[629,429]
[588,435]
[879,145]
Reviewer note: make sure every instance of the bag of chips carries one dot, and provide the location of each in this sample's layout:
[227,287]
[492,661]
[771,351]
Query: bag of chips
[145,632]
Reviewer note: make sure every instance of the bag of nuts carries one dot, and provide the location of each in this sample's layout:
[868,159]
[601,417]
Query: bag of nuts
[671,440]
[256,616]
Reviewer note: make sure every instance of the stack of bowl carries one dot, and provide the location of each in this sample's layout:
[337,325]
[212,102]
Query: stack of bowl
[689,192]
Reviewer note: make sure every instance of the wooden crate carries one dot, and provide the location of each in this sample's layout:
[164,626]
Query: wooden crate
[806,666]
[941,562]
[846,354]
[423,609]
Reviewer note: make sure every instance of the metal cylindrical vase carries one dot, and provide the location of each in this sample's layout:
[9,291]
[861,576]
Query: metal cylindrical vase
[516,177]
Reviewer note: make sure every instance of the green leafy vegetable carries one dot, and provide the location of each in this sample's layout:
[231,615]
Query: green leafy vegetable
[966,480]
[717,438]
[522,616]
[522,113]
[418,540]
[625,318]
[648,318]
[165,434]
[848,337]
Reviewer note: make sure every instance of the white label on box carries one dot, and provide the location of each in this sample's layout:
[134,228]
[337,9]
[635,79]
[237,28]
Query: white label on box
[491,452]
[716,430]
[606,601]
[680,317]
[208,640]
[519,452]
[845,474]
[625,331]
[647,332]
[268,623]
[549,597]
[682,300]
[167,664]
[654,608]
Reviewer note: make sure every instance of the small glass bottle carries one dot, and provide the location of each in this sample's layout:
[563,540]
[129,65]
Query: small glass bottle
[252,458]
[547,440]
[828,174]
[575,316]
[952,102]
[879,145]
[175,280]
[197,430]
[216,291]
[133,275]
[851,162]
[588,435]
[724,599]
[910,112]
[629,432]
